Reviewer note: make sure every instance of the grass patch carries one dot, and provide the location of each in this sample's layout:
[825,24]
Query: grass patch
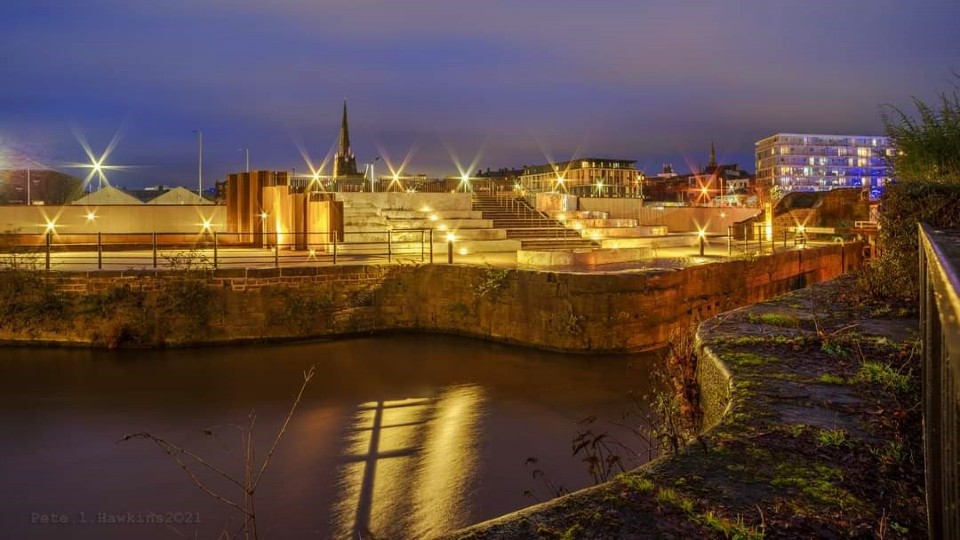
[883,375]
[671,497]
[637,482]
[831,437]
[730,529]
[745,359]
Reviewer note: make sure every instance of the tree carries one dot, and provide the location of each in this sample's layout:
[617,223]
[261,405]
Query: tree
[928,146]
[927,189]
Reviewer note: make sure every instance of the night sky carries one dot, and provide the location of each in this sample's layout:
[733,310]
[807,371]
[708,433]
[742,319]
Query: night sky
[508,81]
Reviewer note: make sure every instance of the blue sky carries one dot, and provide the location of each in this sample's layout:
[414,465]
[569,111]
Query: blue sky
[654,81]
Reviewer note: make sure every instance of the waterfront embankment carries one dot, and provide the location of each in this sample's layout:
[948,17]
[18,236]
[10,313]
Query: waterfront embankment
[813,431]
[575,311]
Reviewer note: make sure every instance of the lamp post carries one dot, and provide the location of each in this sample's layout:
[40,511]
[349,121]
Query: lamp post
[450,238]
[199,133]
[246,152]
[370,173]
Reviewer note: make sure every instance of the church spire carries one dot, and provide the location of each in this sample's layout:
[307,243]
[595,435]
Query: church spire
[344,146]
[713,151]
[345,163]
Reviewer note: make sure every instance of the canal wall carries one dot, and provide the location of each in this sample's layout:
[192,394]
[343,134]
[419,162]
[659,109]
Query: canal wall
[574,312]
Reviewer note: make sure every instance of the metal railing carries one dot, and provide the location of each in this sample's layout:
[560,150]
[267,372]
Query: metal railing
[216,250]
[940,329]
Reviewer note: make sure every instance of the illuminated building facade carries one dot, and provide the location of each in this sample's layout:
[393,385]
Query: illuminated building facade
[583,177]
[806,162]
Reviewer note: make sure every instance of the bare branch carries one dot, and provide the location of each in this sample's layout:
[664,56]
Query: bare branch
[179,450]
[307,375]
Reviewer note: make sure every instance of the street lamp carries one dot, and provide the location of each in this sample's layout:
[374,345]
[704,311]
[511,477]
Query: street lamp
[199,133]
[369,172]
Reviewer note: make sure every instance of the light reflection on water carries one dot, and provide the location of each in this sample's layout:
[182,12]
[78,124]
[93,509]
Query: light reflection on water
[409,465]
[401,436]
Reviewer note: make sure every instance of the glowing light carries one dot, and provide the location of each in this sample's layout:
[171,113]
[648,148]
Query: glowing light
[207,224]
[801,228]
[91,216]
[425,209]
[451,237]
[463,251]
[51,226]
[433,217]
[312,254]
[442,227]
[723,214]
[596,236]
[702,233]
[97,164]
[264,215]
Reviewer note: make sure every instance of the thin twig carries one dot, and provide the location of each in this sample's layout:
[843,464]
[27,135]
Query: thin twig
[307,375]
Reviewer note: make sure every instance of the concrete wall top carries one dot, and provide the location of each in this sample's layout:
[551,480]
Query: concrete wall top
[676,219]
[409,201]
[140,218]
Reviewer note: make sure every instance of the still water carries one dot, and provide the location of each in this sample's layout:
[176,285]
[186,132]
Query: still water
[403,436]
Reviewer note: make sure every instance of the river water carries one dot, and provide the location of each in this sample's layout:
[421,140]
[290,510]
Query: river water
[398,436]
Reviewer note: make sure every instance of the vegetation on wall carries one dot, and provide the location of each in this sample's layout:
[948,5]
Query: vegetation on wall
[927,190]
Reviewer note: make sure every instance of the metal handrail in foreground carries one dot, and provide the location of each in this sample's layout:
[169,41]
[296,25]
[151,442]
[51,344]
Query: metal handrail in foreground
[940,328]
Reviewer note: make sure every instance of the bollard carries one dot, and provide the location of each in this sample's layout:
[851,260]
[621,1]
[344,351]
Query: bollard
[154,243]
[449,251]
[49,237]
[215,246]
[701,244]
[99,251]
[334,247]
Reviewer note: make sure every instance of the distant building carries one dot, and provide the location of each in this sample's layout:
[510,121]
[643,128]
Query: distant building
[806,162]
[665,186]
[584,177]
[719,184]
[45,186]
[344,163]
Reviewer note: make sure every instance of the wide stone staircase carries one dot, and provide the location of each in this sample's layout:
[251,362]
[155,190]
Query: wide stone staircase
[531,228]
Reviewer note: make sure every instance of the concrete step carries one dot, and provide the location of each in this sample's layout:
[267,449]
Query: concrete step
[440,214]
[623,232]
[578,223]
[579,214]
[542,233]
[448,223]
[547,245]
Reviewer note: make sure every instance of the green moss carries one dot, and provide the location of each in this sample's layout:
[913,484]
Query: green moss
[827,378]
[774,319]
[745,359]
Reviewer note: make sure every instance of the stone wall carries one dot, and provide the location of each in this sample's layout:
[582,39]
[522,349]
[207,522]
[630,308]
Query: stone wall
[559,311]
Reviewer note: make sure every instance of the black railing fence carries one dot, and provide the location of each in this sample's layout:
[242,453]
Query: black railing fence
[940,328]
[214,250]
